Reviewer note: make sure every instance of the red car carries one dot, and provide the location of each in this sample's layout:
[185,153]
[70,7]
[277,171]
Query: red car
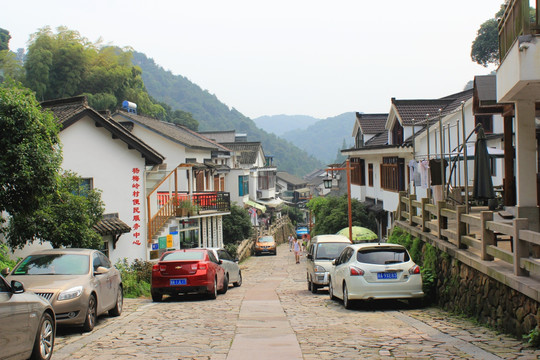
[188,271]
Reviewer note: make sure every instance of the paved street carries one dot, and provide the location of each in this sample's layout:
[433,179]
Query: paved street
[273,316]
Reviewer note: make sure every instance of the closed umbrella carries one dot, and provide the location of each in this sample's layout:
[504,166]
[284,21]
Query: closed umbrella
[483,186]
[359,233]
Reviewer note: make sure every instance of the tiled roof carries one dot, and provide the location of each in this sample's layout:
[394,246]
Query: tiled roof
[371,123]
[486,88]
[220,136]
[176,133]
[70,110]
[246,152]
[111,226]
[379,139]
[289,178]
[417,110]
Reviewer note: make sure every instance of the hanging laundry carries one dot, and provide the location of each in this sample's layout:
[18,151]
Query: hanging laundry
[414,173]
[435,170]
[424,173]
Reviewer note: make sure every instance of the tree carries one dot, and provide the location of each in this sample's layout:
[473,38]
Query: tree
[4,39]
[237,225]
[30,156]
[331,214]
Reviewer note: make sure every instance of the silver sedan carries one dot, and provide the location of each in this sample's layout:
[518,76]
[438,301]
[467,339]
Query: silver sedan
[374,271]
[233,274]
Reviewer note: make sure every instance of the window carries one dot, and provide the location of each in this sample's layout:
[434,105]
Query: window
[85,185]
[359,139]
[358,176]
[370,175]
[383,256]
[393,174]
[266,180]
[486,121]
[243,185]
[397,133]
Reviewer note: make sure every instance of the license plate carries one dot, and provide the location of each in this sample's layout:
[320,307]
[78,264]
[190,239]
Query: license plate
[388,275]
[178,282]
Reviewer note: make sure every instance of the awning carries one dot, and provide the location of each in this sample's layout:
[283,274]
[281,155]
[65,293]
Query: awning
[273,203]
[111,226]
[255,205]
[303,190]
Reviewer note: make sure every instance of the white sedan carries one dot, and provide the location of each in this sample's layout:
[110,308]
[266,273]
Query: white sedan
[374,271]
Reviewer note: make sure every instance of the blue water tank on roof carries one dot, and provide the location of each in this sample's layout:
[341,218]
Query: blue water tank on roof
[129,106]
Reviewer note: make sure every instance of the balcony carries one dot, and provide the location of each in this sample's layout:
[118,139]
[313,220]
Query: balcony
[518,76]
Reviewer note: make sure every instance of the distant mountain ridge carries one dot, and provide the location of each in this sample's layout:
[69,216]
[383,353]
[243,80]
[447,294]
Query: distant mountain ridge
[280,124]
[180,93]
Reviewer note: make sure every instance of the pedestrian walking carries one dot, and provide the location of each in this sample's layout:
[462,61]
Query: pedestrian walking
[291,239]
[296,248]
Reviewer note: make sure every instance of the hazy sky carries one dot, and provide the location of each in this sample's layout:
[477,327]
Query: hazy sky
[308,57]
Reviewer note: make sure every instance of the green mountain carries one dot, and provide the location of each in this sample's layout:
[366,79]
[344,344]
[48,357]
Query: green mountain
[280,124]
[180,93]
[325,138]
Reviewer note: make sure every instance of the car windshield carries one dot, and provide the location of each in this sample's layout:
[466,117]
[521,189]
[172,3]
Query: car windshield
[53,264]
[329,251]
[266,239]
[382,256]
[183,255]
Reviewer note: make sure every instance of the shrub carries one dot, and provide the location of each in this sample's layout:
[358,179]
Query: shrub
[5,260]
[136,277]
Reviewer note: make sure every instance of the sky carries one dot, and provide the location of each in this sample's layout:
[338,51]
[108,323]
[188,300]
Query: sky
[293,57]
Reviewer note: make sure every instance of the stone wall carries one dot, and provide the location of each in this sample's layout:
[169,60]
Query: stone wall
[463,289]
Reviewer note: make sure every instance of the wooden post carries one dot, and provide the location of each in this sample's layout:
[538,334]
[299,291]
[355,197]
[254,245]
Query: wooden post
[521,250]
[401,194]
[425,214]
[488,238]
[412,209]
[441,222]
[460,227]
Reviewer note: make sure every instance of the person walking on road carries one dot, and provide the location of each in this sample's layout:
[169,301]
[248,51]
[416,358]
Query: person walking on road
[291,239]
[296,249]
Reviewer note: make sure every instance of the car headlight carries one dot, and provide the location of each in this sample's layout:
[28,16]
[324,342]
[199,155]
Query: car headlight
[319,268]
[72,293]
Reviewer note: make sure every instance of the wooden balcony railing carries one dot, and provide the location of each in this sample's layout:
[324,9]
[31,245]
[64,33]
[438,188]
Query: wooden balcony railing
[516,21]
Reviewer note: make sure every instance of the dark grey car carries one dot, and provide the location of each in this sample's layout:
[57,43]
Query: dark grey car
[27,323]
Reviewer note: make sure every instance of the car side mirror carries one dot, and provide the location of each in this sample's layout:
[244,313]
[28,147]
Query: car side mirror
[101,270]
[5,271]
[236,260]
[17,287]
[309,256]
[220,262]
[334,262]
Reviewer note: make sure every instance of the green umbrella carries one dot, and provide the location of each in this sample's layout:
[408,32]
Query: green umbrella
[359,234]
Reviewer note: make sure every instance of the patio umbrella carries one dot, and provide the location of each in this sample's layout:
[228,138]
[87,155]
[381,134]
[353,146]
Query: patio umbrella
[359,233]
[482,186]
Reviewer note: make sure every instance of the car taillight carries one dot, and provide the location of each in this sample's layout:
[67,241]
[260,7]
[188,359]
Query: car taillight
[354,271]
[414,270]
[202,266]
[162,268]
[155,267]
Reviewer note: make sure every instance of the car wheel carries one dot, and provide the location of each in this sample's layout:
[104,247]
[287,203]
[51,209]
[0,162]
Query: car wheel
[117,309]
[212,293]
[309,284]
[314,287]
[156,297]
[91,314]
[239,282]
[44,342]
[346,302]
[225,284]
[331,290]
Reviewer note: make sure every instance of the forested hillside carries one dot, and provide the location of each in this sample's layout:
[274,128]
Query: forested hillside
[180,93]
[325,138]
[280,124]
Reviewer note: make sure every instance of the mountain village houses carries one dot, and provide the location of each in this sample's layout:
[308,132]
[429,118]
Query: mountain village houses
[150,171]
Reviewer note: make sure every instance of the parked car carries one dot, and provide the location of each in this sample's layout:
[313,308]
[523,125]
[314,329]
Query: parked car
[27,323]
[80,284]
[321,250]
[375,271]
[230,265]
[265,245]
[188,271]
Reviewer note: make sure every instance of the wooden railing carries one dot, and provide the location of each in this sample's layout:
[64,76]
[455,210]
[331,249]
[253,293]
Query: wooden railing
[514,23]
[450,223]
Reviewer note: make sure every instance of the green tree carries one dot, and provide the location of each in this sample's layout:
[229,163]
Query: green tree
[331,214]
[237,225]
[10,67]
[295,214]
[4,39]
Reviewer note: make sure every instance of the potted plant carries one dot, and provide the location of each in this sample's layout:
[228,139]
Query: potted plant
[182,207]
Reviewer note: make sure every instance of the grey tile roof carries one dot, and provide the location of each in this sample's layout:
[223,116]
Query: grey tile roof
[371,123]
[68,111]
[220,136]
[111,226]
[289,178]
[246,151]
[379,139]
[417,110]
[174,132]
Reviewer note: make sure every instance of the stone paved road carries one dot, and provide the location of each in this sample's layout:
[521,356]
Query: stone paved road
[195,328]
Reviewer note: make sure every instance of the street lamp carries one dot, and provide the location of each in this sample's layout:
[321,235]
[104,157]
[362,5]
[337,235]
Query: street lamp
[328,185]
